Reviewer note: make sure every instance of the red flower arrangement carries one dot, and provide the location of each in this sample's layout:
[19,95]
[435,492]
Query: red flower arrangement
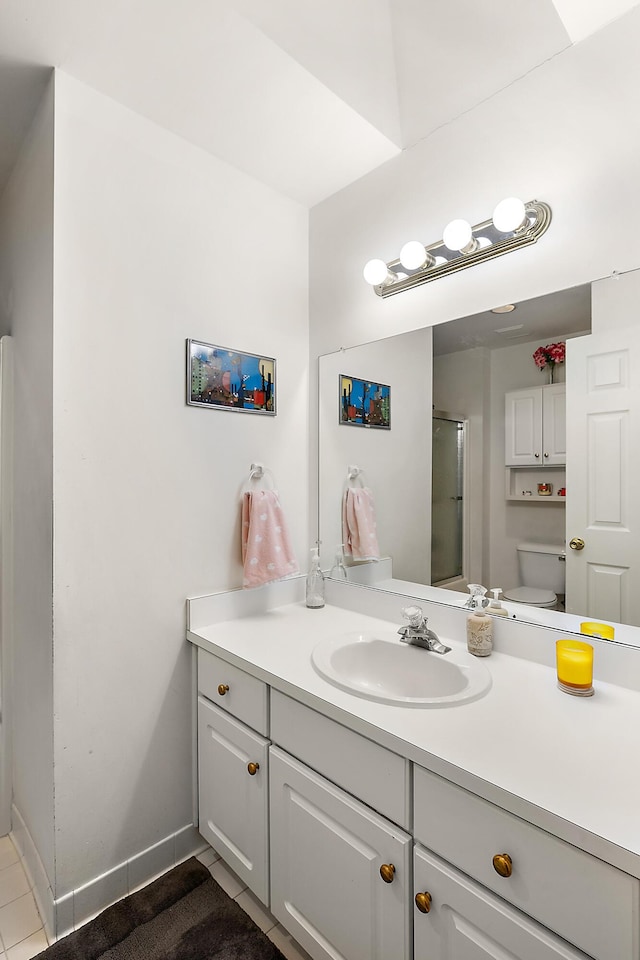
[550,355]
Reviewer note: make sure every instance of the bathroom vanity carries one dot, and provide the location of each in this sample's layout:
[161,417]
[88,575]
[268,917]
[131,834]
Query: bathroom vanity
[502,826]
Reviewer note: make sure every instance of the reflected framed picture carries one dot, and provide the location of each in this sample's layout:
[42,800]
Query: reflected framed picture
[364,403]
[224,379]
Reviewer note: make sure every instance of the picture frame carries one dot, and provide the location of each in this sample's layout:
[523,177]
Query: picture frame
[221,378]
[364,403]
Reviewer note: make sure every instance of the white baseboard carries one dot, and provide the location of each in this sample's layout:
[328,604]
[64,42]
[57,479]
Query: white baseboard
[65,914]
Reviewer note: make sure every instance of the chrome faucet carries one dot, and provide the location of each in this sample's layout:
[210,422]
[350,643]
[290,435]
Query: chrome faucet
[417,632]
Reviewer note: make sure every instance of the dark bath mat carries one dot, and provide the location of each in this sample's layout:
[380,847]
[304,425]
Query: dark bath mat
[183,915]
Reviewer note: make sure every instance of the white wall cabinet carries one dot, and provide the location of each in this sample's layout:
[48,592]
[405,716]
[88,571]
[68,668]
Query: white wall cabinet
[329,855]
[535,426]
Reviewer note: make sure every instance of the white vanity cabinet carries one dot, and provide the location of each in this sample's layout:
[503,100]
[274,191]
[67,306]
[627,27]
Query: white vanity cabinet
[571,894]
[535,426]
[340,873]
[460,919]
[233,765]
[363,855]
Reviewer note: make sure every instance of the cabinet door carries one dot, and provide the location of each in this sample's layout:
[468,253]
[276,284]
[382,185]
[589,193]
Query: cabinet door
[233,807]
[467,922]
[326,885]
[523,427]
[554,424]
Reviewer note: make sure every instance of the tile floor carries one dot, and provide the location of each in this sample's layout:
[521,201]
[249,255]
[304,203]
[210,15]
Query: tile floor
[21,932]
[22,935]
[237,890]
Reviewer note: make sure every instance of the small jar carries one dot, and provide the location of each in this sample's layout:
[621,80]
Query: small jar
[545,489]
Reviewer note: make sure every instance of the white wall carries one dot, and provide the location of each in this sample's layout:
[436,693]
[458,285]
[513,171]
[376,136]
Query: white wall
[396,462]
[564,133]
[151,237]
[26,309]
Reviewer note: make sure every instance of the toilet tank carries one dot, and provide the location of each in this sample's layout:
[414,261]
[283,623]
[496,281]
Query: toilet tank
[540,566]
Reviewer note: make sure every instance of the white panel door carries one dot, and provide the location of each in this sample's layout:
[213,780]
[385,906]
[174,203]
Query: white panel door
[232,802]
[467,922]
[603,505]
[327,852]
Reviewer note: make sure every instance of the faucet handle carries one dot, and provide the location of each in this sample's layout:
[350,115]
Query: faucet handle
[414,616]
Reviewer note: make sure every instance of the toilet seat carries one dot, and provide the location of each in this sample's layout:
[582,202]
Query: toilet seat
[531,595]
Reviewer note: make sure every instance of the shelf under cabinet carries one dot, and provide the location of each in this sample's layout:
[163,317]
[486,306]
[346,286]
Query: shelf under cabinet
[519,479]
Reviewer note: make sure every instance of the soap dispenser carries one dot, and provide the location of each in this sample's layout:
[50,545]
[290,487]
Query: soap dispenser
[315,583]
[479,624]
[338,570]
[495,608]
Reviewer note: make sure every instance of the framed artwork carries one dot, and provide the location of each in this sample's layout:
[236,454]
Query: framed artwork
[225,379]
[364,403]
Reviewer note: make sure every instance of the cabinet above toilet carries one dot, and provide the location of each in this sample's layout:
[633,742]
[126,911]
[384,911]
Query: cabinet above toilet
[535,427]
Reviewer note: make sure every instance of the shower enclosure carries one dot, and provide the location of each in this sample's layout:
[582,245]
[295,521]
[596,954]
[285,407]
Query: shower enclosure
[447,502]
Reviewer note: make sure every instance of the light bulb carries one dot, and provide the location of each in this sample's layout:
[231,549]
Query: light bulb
[509,215]
[458,235]
[413,255]
[376,272]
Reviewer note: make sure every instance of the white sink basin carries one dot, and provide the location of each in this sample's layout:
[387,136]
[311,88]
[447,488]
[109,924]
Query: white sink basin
[380,667]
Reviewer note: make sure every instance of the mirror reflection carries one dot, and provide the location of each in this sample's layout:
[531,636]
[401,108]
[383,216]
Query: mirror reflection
[470,483]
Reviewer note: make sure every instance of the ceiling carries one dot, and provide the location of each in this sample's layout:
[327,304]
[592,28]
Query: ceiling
[304,95]
[566,313]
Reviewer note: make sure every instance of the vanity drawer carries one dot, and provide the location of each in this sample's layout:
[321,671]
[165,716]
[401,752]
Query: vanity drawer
[370,772]
[586,901]
[246,697]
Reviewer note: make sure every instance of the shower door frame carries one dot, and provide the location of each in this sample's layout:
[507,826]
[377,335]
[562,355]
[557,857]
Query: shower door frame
[457,418]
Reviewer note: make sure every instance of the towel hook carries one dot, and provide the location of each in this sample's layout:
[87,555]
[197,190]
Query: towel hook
[256,471]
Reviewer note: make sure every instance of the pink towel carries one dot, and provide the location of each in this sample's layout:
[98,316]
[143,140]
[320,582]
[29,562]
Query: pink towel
[266,547]
[359,524]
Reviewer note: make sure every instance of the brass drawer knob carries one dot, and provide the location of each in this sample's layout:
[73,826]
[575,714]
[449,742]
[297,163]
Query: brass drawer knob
[576,543]
[503,864]
[223,688]
[423,902]
[387,871]
[253,768]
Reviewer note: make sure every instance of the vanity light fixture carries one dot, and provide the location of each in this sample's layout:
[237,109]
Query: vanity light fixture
[514,224]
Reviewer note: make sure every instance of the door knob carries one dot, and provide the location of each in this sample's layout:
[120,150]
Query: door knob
[503,864]
[423,902]
[387,871]
[576,543]
[223,688]
[253,768]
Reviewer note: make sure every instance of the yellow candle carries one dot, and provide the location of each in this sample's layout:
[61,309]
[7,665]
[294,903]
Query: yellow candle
[574,661]
[593,629]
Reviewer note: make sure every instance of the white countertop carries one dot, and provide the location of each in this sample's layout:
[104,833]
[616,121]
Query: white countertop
[567,764]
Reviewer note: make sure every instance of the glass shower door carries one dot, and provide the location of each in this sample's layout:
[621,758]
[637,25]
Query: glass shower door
[447,498]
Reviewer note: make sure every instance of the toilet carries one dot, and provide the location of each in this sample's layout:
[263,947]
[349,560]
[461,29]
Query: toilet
[542,574]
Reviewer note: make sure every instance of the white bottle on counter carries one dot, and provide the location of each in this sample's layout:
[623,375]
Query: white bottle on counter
[479,625]
[495,607]
[315,583]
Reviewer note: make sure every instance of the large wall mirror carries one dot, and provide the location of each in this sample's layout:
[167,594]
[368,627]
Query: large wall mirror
[462,479]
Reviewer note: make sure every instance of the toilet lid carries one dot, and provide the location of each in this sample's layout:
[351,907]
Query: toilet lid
[530,595]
